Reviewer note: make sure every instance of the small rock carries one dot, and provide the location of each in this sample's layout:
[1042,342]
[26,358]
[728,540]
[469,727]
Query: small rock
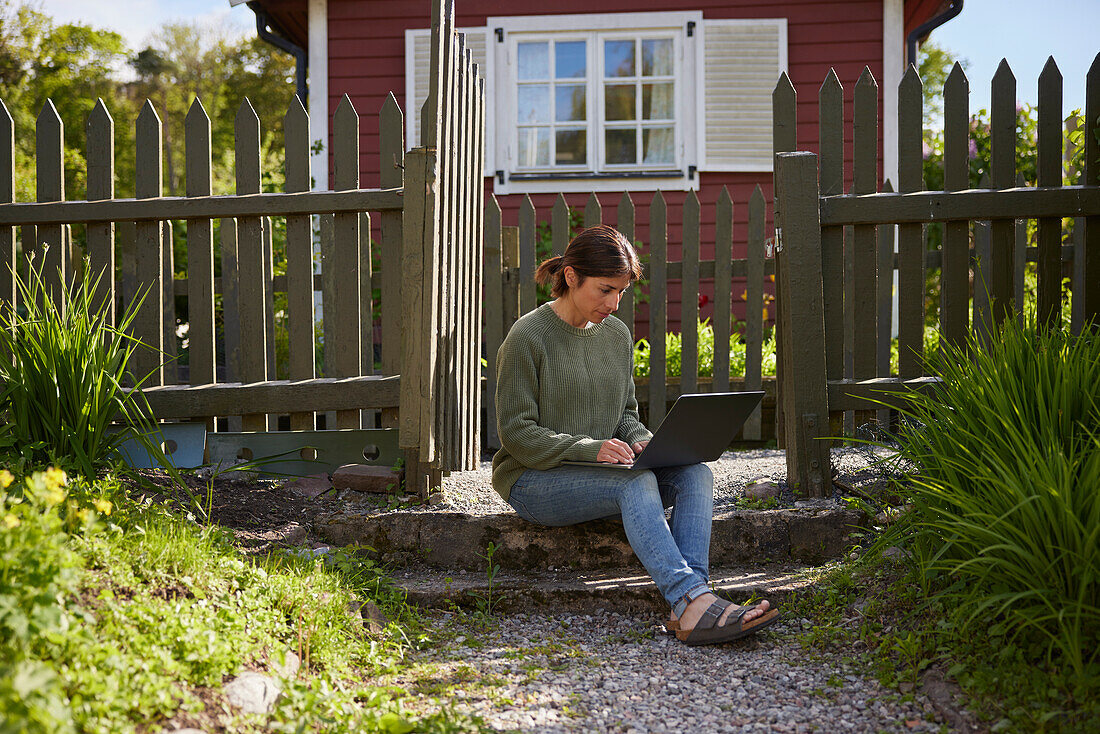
[364,478]
[893,552]
[288,668]
[311,486]
[292,534]
[373,618]
[253,693]
[760,489]
[436,498]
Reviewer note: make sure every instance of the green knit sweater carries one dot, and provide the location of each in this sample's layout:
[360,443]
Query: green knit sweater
[562,392]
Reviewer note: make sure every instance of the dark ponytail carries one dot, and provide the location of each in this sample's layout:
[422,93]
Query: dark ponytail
[596,252]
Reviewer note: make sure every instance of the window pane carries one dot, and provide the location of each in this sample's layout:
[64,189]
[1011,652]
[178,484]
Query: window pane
[534,60]
[569,102]
[657,102]
[621,146]
[618,102]
[570,148]
[618,58]
[570,60]
[657,145]
[657,57]
[533,103]
[534,146]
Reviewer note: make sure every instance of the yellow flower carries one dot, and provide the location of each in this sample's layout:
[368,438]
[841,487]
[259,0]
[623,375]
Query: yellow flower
[102,506]
[11,521]
[5,479]
[55,477]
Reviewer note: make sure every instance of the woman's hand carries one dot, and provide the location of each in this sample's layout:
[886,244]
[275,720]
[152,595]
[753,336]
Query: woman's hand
[639,447]
[614,451]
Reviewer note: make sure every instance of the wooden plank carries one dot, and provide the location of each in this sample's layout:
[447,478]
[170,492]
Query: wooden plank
[275,396]
[658,313]
[868,395]
[593,212]
[347,349]
[510,257]
[754,308]
[204,207]
[367,418]
[100,133]
[983,254]
[955,270]
[200,253]
[1020,260]
[527,235]
[559,227]
[1048,310]
[689,295]
[8,295]
[250,262]
[392,154]
[429,239]
[998,277]
[809,468]
[50,184]
[470,397]
[910,236]
[884,303]
[168,305]
[1091,177]
[413,300]
[299,260]
[461,116]
[477,176]
[149,250]
[269,303]
[831,180]
[864,285]
[493,314]
[949,206]
[723,285]
[784,138]
[624,222]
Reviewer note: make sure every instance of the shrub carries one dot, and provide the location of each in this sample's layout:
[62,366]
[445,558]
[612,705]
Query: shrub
[673,351]
[1006,517]
[62,365]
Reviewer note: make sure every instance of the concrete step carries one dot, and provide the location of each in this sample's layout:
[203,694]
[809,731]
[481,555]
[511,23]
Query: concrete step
[454,540]
[619,590]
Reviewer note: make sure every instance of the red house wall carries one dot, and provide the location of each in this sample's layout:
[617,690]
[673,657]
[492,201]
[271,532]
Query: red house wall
[367,61]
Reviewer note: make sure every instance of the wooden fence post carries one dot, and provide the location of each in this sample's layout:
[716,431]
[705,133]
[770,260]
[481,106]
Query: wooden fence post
[149,251]
[784,139]
[830,126]
[299,260]
[250,262]
[347,351]
[809,470]
[910,236]
[100,134]
[864,287]
[955,265]
[391,128]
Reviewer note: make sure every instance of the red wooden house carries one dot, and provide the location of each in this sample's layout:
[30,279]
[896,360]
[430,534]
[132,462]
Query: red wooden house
[613,95]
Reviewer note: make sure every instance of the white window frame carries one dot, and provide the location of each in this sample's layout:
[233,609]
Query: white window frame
[553,27]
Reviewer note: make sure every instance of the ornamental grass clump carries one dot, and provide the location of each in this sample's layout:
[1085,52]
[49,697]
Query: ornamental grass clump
[1006,520]
[62,367]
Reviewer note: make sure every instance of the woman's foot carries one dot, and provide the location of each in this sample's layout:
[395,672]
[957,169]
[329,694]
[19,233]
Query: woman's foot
[699,605]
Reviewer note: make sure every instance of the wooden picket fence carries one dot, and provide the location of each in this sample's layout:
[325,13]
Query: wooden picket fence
[510,255]
[837,257]
[429,204]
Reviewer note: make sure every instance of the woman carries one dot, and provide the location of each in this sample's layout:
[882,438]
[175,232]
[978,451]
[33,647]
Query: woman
[565,392]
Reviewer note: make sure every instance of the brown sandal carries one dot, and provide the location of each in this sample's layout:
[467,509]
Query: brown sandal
[708,632]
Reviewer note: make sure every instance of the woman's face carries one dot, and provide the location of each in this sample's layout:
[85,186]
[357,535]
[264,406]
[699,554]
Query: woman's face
[594,299]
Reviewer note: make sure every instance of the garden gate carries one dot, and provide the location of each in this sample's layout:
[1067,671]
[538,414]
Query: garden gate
[429,201]
[836,251]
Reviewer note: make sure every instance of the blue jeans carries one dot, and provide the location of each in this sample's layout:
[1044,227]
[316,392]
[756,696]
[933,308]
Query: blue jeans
[675,553]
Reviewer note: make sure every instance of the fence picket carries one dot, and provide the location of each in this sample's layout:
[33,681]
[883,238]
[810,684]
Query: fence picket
[477,175]
[784,138]
[100,133]
[149,250]
[658,314]
[723,280]
[200,252]
[1020,260]
[624,222]
[510,257]
[910,236]
[1049,170]
[983,254]
[367,418]
[168,306]
[593,212]
[754,310]
[689,296]
[494,315]
[559,226]
[50,182]
[885,296]
[864,287]
[998,278]
[347,349]
[830,128]
[250,261]
[299,259]
[391,126]
[7,194]
[527,234]
[1091,177]
[955,268]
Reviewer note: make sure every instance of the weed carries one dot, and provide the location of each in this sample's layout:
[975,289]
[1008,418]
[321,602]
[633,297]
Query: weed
[487,601]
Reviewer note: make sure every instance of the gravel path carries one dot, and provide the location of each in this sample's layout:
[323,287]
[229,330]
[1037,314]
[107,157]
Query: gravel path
[472,491]
[615,673]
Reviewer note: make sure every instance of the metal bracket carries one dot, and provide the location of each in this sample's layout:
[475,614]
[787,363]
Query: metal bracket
[691,28]
[500,34]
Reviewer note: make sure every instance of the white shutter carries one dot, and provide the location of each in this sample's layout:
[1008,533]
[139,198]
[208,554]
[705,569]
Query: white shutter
[742,60]
[417,61]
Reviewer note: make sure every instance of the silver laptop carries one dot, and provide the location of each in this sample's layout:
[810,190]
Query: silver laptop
[699,428]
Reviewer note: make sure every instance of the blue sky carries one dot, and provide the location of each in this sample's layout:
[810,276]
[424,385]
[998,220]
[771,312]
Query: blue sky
[1025,32]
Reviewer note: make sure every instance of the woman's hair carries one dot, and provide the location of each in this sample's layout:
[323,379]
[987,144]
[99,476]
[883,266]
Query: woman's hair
[596,252]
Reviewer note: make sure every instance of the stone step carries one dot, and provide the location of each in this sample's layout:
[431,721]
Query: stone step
[619,590]
[454,540]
